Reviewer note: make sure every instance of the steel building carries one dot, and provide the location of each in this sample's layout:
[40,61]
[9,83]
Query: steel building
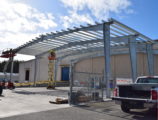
[103,51]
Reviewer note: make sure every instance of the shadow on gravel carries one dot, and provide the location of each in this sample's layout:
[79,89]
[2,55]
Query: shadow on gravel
[144,115]
[53,92]
[110,108]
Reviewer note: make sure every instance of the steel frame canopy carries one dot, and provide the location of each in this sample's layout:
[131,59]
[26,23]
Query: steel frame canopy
[81,38]
[108,34]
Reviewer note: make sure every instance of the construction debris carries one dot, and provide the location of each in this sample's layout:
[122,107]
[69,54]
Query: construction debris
[84,98]
[59,100]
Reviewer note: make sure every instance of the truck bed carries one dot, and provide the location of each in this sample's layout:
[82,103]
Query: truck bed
[136,90]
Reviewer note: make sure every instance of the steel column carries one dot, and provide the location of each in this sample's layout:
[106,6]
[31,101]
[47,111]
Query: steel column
[12,68]
[107,74]
[150,59]
[133,56]
[71,82]
[35,73]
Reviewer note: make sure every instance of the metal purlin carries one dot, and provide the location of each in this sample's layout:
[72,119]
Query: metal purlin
[90,32]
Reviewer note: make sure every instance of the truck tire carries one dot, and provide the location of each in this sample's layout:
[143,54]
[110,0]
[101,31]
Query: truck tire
[125,108]
[1,90]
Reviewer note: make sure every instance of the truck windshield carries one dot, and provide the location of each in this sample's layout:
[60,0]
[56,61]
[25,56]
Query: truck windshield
[147,80]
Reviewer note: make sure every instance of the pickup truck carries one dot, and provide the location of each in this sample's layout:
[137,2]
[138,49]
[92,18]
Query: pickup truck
[141,94]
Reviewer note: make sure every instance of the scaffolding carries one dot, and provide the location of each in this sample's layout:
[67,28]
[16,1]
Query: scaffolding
[51,57]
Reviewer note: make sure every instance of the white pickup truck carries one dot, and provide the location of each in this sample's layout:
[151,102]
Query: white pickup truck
[141,94]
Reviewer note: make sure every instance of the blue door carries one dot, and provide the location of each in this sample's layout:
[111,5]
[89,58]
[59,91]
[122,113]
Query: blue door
[65,73]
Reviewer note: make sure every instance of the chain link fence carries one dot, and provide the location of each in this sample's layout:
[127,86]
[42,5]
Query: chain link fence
[87,87]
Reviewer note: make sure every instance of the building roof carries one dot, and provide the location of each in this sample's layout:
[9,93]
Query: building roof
[81,38]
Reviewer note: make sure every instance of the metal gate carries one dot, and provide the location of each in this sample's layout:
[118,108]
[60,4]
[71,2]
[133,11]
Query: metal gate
[86,87]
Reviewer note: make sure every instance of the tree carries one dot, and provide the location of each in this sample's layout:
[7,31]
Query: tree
[15,67]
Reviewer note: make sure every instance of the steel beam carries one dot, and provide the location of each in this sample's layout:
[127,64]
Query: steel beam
[129,29]
[76,36]
[120,40]
[58,34]
[30,51]
[71,44]
[150,59]
[133,56]
[107,71]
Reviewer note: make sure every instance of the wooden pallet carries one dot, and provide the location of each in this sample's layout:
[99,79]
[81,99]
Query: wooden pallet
[59,101]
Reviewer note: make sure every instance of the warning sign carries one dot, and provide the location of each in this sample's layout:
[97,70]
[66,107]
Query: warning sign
[123,81]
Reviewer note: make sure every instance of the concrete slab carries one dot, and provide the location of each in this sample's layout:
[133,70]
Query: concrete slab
[29,100]
[93,111]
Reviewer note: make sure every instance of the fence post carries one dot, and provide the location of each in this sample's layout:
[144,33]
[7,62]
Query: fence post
[35,73]
[71,82]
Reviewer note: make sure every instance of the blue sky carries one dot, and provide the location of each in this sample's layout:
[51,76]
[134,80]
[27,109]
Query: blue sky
[23,20]
[143,18]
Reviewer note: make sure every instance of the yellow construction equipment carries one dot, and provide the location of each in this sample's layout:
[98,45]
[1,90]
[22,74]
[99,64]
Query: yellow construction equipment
[51,58]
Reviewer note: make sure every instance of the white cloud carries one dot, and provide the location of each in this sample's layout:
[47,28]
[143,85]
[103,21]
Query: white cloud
[16,38]
[20,23]
[99,9]
[75,19]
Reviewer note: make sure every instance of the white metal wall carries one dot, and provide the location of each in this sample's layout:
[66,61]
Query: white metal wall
[120,66]
[23,66]
[42,69]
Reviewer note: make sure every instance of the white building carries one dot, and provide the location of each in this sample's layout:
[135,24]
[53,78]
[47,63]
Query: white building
[120,67]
